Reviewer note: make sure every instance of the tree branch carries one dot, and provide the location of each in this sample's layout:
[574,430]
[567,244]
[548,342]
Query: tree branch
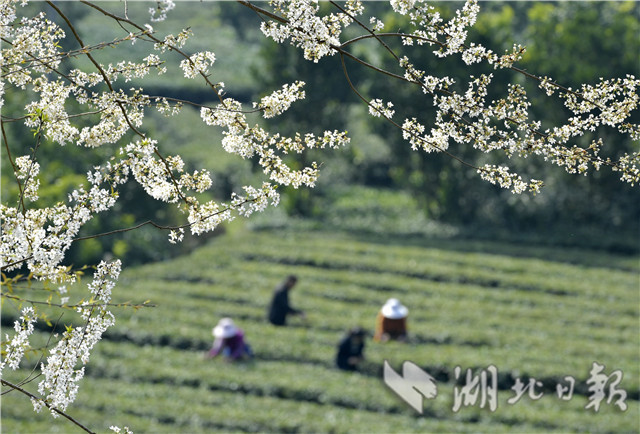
[50,407]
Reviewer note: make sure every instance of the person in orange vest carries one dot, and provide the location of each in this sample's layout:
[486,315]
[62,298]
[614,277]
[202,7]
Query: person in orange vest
[391,322]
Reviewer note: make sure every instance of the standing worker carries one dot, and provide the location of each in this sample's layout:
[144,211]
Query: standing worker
[280,307]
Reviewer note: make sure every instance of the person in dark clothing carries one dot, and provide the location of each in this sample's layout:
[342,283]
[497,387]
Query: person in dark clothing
[350,350]
[280,306]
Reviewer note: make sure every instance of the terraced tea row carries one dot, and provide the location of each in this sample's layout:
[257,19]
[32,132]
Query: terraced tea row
[528,317]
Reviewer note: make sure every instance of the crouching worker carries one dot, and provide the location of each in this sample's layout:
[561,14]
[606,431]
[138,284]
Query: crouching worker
[391,322]
[350,350]
[229,341]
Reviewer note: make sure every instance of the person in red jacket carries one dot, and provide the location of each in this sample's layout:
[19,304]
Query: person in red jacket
[391,322]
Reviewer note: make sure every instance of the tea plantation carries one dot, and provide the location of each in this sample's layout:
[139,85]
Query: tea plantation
[531,312]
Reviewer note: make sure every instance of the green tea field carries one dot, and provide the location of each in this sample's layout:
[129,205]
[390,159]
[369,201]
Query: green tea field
[533,313]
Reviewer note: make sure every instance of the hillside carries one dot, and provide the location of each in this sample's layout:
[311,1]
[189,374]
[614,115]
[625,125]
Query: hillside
[471,305]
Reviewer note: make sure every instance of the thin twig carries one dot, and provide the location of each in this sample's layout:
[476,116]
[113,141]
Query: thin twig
[263,11]
[46,404]
[353,88]
[73,306]
[15,169]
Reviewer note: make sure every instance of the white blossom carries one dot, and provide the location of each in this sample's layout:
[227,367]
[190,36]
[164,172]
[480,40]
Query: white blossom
[59,387]
[377,24]
[280,100]
[14,350]
[176,236]
[198,63]
[159,13]
[377,108]
[91,106]
[316,36]
[27,172]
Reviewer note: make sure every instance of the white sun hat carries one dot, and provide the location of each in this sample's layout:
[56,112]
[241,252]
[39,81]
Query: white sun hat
[393,309]
[225,328]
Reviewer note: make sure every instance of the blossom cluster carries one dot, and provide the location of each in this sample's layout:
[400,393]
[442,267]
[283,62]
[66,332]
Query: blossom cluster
[35,237]
[199,63]
[317,36]
[33,48]
[378,108]
[467,118]
[501,176]
[15,349]
[27,174]
[117,429]
[280,100]
[159,13]
[110,116]
[249,141]
[61,374]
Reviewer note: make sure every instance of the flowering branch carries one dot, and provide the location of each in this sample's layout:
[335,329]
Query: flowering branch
[49,406]
[37,238]
[467,118]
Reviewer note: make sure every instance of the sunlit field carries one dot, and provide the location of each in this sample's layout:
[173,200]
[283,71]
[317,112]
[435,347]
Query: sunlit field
[530,312]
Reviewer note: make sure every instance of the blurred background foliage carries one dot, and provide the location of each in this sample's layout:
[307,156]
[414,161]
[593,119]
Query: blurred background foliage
[376,184]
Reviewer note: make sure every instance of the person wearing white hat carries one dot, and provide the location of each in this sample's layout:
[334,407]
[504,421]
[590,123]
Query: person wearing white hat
[391,322]
[229,340]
